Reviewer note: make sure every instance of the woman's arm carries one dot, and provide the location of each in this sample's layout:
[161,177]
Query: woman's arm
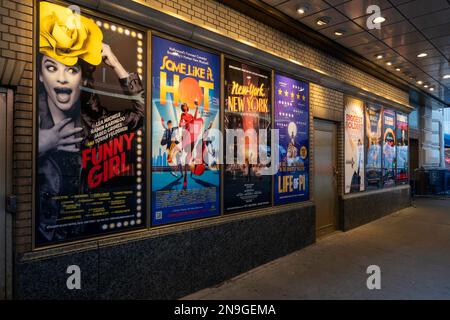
[131,84]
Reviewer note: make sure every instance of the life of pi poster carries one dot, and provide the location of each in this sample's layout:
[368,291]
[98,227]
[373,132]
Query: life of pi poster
[185,139]
[292,121]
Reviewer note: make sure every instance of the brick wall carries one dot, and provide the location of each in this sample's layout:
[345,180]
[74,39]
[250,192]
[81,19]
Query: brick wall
[220,18]
[16,25]
[16,42]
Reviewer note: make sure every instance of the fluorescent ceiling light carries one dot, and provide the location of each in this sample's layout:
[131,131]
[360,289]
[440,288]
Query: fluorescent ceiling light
[379,20]
[323,21]
[302,9]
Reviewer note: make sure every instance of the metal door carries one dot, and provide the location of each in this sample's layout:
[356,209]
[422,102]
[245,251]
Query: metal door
[5,191]
[325,177]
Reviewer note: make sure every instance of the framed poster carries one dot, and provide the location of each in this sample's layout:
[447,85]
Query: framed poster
[185,132]
[389,147]
[91,135]
[247,119]
[402,176]
[373,146]
[291,182]
[354,145]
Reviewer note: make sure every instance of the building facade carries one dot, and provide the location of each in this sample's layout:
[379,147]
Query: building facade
[160,254]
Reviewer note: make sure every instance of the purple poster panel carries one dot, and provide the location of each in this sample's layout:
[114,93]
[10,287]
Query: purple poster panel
[389,148]
[292,122]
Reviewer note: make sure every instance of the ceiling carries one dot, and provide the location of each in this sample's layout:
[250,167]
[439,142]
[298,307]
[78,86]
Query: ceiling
[411,27]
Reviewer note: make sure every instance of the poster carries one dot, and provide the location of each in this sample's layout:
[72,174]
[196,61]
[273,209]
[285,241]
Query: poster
[292,120]
[389,146]
[402,176]
[248,115]
[354,145]
[373,146]
[185,137]
[91,137]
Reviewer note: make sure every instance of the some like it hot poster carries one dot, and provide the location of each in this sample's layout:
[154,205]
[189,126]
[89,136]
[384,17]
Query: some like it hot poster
[185,141]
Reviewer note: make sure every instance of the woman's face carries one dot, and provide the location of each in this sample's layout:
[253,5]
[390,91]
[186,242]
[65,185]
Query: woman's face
[61,82]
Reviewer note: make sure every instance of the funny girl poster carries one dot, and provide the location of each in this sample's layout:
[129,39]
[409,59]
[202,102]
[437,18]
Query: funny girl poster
[248,116]
[389,147]
[185,138]
[292,121]
[373,146]
[354,145]
[402,149]
[91,110]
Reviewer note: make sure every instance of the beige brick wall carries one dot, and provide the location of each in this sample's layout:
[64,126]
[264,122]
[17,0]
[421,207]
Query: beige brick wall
[217,17]
[16,25]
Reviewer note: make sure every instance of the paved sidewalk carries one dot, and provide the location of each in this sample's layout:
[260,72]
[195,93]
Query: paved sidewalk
[412,248]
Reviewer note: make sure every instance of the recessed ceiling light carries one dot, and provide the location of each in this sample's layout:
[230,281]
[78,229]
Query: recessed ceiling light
[379,56]
[419,82]
[447,76]
[422,55]
[389,63]
[379,20]
[425,86]
[323,21]
[339,32]
[431,89]
[397,69]
[302,9]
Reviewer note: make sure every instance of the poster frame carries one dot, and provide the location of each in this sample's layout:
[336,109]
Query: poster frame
[380,107]
[271,71]
[383,186]
[275,72]
[364,104]
[408,178]
[35,126]
[221,108]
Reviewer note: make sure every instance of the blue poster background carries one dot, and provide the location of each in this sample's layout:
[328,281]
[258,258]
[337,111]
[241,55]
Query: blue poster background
[292,121]
[182,189]
[389,148]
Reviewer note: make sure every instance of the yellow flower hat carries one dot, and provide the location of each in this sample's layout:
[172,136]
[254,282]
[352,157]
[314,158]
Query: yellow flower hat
[67,36]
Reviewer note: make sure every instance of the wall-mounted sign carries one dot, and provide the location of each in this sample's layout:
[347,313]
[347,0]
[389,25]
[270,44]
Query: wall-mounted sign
[91,109]
[248,115]
[402,149]
[354,145]
[389,147]
[373,146]
[186,120]
[292,121]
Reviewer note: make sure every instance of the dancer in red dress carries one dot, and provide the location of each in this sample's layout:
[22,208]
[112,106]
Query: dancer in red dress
[190,135]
